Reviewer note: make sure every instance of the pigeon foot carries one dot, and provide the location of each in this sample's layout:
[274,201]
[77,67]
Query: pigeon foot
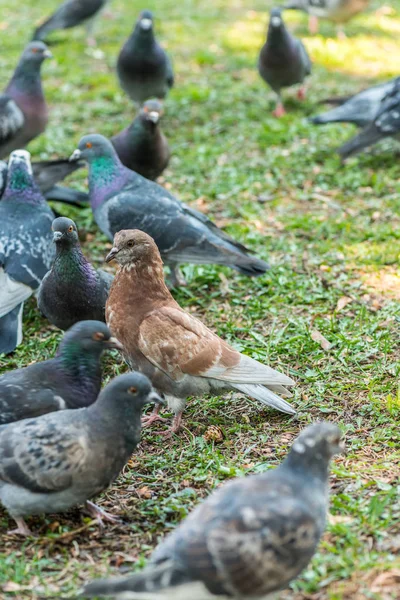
[100,515]
[175,427]
[279,111]
[22,528]
[301,93]
[313,24]
[153,417]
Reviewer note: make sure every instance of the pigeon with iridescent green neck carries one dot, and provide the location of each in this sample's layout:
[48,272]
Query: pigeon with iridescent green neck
[73,290]
[23,108]
[26,249]
[122,199]
[71,379]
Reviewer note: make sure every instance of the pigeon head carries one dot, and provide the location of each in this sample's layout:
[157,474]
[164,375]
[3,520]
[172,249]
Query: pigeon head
[65,232]
[275,20]
[128,392]
[20,183]
[35,53]
[87,337]
[92,147]
[151,112]
[132,246]
[145,21]
[315,446]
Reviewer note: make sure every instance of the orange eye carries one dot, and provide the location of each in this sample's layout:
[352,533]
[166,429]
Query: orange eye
[70,228]
[145,109]
[98,336]
[89,144]
[34,50]
[132,390]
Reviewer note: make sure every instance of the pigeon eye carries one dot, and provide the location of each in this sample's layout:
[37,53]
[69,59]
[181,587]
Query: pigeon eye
[132,390]
[98,336]
[34,50]
[89,144]
[130,243]
[70,228]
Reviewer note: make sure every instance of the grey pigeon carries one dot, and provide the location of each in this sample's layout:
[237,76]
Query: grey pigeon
[72,379]
[248,539]
[283,60]
[338,11]
[122,199]
[62,459]
[71,13]
[143,67]
[359,109]
[180,355]
[142,146]
[23,108]
[385,124]
[73,290]
[26,249]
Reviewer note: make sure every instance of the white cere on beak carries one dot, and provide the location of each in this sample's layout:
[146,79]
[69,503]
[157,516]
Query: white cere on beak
[276,21]
[75,155]
[146,24]
[23,156]
[154,116]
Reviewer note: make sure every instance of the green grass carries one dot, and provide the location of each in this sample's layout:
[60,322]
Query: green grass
[329,231]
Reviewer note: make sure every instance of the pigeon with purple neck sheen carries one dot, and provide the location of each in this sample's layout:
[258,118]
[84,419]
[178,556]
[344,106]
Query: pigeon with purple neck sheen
[26,249]
[283,60]
[144,69]
[73,290]
[23,108]
[71,13]
[71,379]
[142,146]
[248,540]
[56,461]
[122,199]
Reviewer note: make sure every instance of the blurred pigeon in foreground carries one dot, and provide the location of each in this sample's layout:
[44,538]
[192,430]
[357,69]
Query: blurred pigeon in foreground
[23,108]
[122,199]
[385,124]
[62,459]
[143,67]
[180,355]
[360,109]
[72,379]
[26,249]
[338,11]
[142,146]
[248,539]
[283,60]
[71,13]
[73,290]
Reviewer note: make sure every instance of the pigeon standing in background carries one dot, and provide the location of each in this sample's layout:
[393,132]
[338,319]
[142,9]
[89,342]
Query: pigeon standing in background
[338,11]
[122,199]
[248,539]
[360,109]
[180,355]
[26,249]
[283,60]
[142,147]
[73,290]
[62,459]
[143,67]
[385,124]
[72,13]
[23,108]
[72,379]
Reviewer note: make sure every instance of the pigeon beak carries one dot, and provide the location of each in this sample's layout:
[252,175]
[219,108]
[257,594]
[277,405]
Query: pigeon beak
[47,54]
[75,155]
[154,398]
[112,254]
[112,342]
[154,116]
[57,235]
[146,24]
[276,21]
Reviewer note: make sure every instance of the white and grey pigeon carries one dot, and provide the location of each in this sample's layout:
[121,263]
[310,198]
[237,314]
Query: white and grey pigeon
[72,13]
[359,109]
[56,461]
[283,60]
[123,199]
[26,249]
[338,11]
[385,124]
[23,108]
[248,539]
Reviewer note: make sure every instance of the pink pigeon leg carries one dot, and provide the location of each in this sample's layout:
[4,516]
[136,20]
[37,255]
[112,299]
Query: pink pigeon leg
[301,93]
[22,528]
[100,515]
[175,427]
[313,24]
[153,417]
[279,110]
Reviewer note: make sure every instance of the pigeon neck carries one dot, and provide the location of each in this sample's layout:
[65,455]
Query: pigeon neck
[106,175]
[83,371]
[26,81]
[308,463]
[21,187]
[278,38]
[123,414]
[147,281]
[71,264]
[142,41]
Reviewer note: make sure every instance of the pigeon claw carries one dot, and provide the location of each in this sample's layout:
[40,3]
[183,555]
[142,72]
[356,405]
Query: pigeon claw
[100,514]
[22,528]
[153,417]
[279,111]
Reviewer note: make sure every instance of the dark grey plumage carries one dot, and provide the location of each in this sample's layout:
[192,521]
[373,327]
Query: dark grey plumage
[73,290]
[26,251]
[385,124]
[283,60]
[71,13]
[72,379]
[359,109]
[23,109]
[143,67]
[249,539]
[62,459]
[122,199]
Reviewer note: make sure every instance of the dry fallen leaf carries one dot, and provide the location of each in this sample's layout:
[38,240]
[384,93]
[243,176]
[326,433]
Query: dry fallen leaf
[145,492]
[336,519]
[343,302]
[320,339]
[390,579]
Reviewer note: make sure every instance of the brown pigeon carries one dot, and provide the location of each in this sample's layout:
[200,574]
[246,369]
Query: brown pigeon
[180,355]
